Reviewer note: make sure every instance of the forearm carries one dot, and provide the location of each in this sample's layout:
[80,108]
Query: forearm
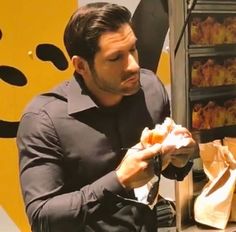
[70,211]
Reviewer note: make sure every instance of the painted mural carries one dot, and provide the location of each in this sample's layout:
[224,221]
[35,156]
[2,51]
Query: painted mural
[33,59]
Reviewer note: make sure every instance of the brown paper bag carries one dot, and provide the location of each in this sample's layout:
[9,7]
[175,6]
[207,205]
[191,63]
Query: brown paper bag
[233,209]
[212,160]
[213,206]
[231,144]
[231,155]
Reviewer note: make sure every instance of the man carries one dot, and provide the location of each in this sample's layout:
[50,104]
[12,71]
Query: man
[74,169]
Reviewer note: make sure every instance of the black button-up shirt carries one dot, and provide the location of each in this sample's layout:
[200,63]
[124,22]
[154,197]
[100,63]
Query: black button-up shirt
[69,148]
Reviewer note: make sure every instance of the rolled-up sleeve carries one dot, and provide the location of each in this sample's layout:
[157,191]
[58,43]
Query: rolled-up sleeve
[48,206]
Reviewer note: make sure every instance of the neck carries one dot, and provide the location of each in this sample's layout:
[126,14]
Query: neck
[106,99]
[101,97]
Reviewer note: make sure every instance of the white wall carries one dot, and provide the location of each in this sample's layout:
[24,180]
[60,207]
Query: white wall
[130,4]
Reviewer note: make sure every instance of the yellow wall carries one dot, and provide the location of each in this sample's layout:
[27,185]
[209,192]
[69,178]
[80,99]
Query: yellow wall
[24,25]
[163,69]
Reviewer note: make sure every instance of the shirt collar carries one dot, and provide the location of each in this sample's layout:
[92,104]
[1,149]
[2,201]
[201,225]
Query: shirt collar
[78,98]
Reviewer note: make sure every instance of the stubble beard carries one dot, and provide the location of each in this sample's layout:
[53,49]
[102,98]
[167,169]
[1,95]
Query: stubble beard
[118,91]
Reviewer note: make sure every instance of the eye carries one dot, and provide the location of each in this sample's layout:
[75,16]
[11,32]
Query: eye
[115,58]
[133,49]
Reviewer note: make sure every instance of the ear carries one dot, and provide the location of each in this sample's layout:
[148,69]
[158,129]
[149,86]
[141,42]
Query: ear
[80,65]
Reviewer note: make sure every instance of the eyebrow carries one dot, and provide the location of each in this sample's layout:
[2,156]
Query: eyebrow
[114,52]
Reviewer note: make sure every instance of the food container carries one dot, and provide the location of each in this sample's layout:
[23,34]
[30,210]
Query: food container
[203,84]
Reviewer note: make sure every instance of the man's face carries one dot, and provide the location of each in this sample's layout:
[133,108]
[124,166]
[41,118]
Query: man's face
[116,68]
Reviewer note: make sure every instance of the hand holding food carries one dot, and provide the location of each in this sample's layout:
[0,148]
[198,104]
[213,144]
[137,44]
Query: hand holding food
[136,168]
[176,142]
[173,142]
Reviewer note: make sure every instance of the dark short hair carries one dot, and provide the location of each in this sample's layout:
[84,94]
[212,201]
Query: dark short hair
[88,23]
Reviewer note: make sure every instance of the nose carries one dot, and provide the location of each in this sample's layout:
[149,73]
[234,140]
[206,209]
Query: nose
[132,64]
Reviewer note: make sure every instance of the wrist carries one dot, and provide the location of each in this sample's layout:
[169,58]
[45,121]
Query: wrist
[121,179]
[180,161]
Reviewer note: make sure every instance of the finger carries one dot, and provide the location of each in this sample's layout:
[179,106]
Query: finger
[138,146]
[191,148]
[150,152]
[183,150]
[145,137]
[147,164]
[181,130]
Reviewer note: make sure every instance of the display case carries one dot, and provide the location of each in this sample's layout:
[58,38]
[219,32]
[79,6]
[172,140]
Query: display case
[203,83]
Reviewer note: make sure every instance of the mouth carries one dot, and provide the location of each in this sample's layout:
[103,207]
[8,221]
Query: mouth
[132,80]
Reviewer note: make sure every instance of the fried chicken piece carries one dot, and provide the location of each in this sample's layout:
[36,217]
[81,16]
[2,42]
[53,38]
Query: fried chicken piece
[230,71]
[217,33]
[195,30]
[196,74]
[206,27]
[230,29]
[158,134]
[230,106]
[218,75]
[207,71]
[197,116]
[218,117]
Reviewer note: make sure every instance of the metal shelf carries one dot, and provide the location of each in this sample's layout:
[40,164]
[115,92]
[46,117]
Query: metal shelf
[214,5]
[209,93]
[212,50]
[184,95]
[206,136]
